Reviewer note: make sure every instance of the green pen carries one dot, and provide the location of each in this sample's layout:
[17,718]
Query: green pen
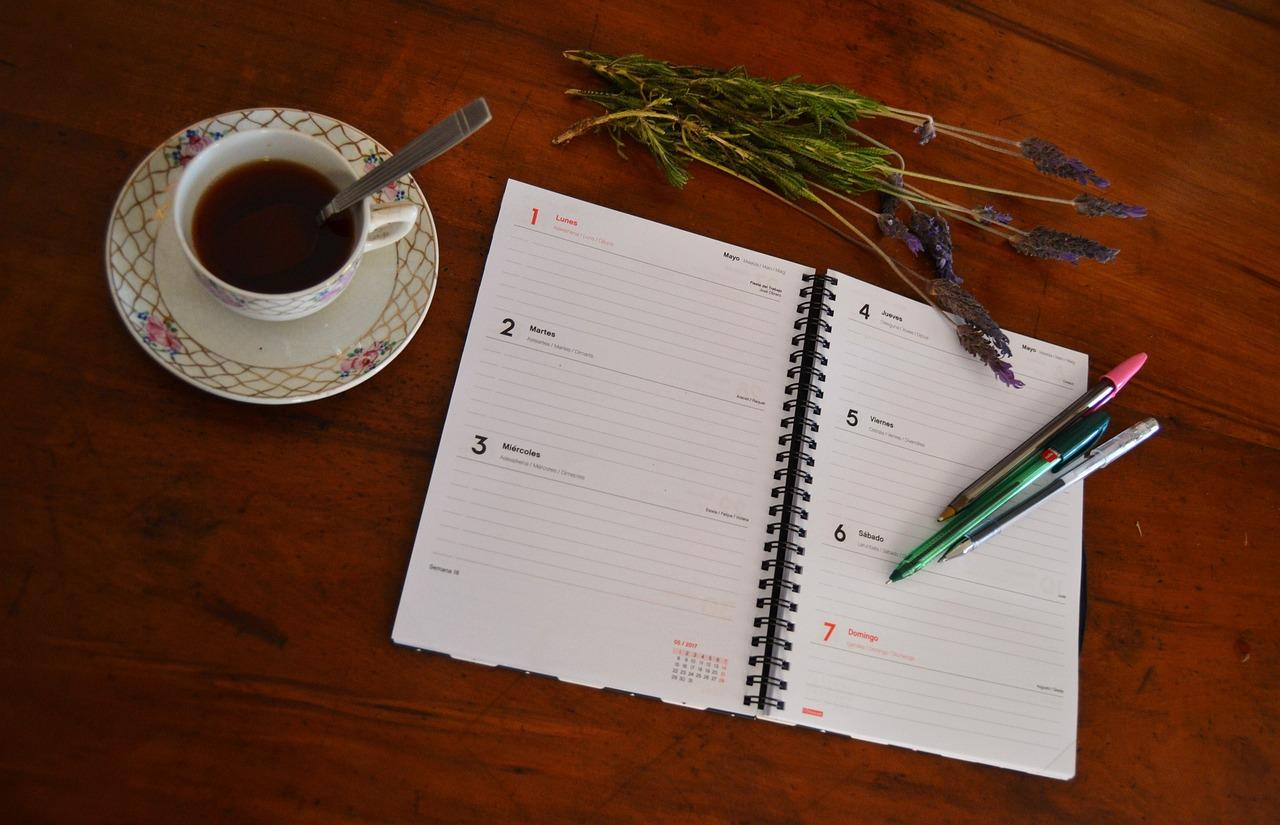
[1063,448]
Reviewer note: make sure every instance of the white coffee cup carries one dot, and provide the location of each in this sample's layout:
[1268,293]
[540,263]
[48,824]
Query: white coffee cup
[374,228]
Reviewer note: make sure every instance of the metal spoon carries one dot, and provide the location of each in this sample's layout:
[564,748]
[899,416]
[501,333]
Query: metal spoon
[429,145]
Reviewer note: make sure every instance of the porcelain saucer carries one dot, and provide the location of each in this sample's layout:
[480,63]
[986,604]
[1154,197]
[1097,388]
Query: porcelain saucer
[195,337]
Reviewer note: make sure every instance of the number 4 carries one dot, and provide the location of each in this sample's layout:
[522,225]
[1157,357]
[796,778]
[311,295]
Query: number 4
[865,312]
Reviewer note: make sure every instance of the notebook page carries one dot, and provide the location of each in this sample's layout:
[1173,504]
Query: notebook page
[598,505]
[974,658]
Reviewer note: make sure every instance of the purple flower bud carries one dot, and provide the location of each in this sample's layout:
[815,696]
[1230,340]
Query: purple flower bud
[989,214]
[936,236]
[894,228]
[1051,160]
[975,342]
[926,131]
[1043,242]
[889,201]
[1094,206]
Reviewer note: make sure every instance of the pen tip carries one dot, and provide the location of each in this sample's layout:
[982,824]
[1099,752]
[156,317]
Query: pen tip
[946,514]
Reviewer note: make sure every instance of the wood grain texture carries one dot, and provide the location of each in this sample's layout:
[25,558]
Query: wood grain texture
[196,595]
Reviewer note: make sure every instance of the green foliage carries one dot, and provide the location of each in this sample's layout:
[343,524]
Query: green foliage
[781,134]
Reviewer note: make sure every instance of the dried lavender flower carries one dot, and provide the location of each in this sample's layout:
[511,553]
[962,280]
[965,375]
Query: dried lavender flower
[1051,160]
[1094,207]
[955,298]
[894,228]
[975,342]
[926,131]
[936,235]
[989,214]
[889,201]
[1043,242]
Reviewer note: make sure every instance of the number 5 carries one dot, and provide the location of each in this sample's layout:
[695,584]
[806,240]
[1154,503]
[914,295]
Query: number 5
[852,418]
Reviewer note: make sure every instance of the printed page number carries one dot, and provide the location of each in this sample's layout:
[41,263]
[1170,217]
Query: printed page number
[852,418]
[865,312]
[506,330]
[479,447]
[830,626]
[840,534]
[534,220]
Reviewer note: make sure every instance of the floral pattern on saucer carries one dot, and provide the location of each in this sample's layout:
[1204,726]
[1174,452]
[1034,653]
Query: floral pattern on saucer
[356,354]
[362,359]
[390,193]
[160,335]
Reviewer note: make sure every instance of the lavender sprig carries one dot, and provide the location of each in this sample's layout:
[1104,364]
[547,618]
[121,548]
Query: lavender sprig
[926,130]
[1043,242]
[989,214]
[894,228]
[955,298]
[1051,160]
[936,235]
[975,343]
[1094,207]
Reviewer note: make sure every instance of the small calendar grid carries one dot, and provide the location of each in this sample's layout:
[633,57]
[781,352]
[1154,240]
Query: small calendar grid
[691,666]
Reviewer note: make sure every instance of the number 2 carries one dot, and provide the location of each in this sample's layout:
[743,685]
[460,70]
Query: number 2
[830,626]
[510,325]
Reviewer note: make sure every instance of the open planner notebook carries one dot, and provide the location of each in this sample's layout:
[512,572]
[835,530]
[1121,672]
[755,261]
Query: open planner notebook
[683,469]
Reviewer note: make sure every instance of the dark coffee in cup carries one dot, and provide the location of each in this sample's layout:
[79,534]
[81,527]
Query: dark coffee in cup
[255,228]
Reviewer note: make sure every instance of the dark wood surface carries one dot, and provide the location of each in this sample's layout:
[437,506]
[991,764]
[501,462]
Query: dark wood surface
[196,595]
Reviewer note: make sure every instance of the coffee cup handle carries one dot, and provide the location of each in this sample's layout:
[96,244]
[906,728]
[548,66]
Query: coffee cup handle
[389,224]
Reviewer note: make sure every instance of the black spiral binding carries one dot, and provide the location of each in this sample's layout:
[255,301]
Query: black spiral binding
[798,441]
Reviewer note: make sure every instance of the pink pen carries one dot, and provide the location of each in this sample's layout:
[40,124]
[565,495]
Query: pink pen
[1094,397]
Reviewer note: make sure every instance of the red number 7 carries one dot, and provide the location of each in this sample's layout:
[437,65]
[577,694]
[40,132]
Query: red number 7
[830,627]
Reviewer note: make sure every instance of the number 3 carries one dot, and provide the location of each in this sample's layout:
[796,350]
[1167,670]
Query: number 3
[478,448]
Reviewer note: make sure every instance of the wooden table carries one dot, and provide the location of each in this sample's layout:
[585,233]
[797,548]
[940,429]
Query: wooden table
[196,595]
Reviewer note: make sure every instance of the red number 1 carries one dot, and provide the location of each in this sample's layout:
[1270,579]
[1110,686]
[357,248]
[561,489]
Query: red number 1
[830,628]
[535,216]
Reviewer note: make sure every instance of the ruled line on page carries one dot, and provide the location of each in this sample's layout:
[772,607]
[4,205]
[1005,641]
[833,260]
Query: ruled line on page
[932,573]
[628,374]
[611,293]
[623,322]
[593,386]
[606,492]
[574,424]
[694,476]
[593,397]
[647,264]
[559,581]
[596,506]
[664,574]
[564,531]
[824,652]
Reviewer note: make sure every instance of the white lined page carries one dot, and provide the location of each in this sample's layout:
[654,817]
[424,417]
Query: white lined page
[598,505]
[974,658]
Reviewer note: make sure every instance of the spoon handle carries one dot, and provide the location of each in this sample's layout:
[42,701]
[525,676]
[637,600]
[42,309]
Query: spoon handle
[432,143]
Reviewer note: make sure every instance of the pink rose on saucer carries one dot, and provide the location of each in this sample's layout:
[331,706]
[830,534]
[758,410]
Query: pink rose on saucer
[362,359]
[159,334]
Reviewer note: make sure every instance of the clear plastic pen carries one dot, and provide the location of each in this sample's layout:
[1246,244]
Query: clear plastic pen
[1096,459]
